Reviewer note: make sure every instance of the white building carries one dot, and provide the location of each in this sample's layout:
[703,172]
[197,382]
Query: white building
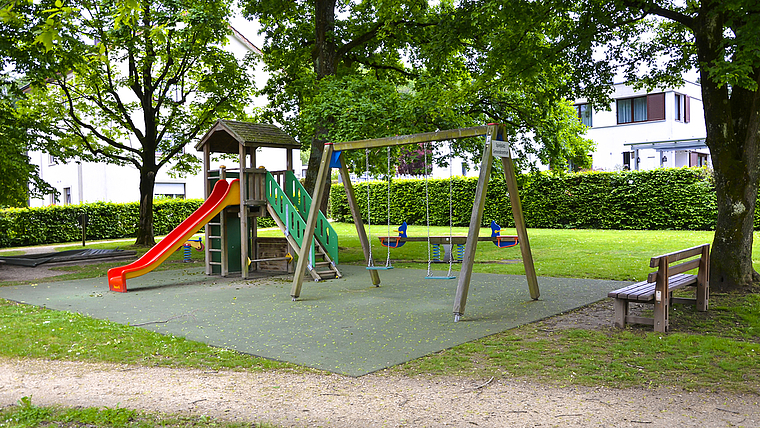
[83,182]
[647,130]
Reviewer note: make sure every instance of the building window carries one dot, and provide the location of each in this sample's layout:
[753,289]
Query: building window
[52,160]
[584,113]
[67,196]
[697,159]
[169,191]
[641,109]
[627,161]
[682,108]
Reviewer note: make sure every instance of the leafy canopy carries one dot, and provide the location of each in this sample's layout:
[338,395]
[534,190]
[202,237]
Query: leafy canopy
[405,66]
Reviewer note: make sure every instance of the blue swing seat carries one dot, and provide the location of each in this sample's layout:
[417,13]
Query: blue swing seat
[379,267]
[398,241]
[501,242]
[441,277]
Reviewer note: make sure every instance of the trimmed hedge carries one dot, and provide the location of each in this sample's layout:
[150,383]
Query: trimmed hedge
[681,198]
[54,224]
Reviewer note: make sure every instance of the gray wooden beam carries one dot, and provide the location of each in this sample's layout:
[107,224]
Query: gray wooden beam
[401,140]
[522,231]
[463,286]
[311,221]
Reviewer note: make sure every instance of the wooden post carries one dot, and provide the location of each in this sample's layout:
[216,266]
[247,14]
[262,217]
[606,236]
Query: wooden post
[703,280]
[244,235]
[661,297]
[206,192]
[522,231]
[351,195]
[311,222]
[460,300]
[224,258]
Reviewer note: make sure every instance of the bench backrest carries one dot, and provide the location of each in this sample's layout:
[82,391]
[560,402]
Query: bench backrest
[663,262]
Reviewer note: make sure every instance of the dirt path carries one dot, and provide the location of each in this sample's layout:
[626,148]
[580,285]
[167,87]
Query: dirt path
[301,400]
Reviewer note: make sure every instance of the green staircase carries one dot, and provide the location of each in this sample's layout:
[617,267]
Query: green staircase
[290,207]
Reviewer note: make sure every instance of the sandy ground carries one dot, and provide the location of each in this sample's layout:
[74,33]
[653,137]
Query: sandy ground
[312,400]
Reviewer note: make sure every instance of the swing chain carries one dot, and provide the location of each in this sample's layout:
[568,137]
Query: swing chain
[388,207]
[427,209]
[451,210]
[370,261]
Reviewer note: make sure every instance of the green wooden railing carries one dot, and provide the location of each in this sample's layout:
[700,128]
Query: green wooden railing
[324,232]
[290,209]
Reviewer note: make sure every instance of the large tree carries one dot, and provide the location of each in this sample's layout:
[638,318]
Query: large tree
[721,39]
[135,88]
[653,43]
[363,69]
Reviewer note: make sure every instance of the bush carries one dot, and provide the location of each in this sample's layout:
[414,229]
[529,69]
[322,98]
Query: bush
[46,225]
[681,198]
[60,223]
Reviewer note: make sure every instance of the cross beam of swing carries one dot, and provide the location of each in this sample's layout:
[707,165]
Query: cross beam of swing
[492,132]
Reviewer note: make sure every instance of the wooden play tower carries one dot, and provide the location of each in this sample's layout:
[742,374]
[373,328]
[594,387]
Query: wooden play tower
[232,242]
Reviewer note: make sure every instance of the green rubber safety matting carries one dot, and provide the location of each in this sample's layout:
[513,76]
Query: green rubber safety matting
[345,325]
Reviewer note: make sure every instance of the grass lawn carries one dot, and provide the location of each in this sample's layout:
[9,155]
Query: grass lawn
[718,350]
[27,414]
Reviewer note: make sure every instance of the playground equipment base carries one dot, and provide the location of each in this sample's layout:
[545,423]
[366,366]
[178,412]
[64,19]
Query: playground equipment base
[59,258]
[345,326]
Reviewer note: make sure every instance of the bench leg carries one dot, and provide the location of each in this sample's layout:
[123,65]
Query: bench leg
[703,296]
[661,322]
[621,311]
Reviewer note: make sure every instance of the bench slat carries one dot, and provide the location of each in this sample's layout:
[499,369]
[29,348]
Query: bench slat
[678,255]
[626,291]
[676,269]
[644,291]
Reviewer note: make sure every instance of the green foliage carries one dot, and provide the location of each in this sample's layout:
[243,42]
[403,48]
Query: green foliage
[657,199]
[59,223]
[160,61]
[35,226]
[408,66]
[28,415]
[20,179]
[18,171]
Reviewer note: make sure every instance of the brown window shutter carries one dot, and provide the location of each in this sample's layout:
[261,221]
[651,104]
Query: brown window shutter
[686,109]
[656,106]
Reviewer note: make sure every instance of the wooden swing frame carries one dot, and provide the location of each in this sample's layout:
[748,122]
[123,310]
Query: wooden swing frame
[493,147]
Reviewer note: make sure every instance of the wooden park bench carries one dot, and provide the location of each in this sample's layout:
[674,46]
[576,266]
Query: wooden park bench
[659,286]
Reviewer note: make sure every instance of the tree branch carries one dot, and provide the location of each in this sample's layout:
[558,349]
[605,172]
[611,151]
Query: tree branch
[79,122]
[650,8]
[381,66]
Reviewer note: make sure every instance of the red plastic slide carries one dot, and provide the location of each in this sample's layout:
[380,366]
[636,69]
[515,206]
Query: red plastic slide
[224,194]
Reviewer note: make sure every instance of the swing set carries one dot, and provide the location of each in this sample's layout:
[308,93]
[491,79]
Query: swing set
[453,246]
[494,146]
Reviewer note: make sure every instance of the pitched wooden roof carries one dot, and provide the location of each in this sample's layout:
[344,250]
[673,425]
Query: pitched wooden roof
[226,136]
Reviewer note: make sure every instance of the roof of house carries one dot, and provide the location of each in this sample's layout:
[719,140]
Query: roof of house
[226,136]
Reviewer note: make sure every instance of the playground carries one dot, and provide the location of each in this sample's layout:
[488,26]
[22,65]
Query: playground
[343,326]
[348,325]
[345,320]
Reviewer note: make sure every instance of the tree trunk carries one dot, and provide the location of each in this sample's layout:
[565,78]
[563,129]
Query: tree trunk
[145,223]
[325,64]
[731,118]
[736,190]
